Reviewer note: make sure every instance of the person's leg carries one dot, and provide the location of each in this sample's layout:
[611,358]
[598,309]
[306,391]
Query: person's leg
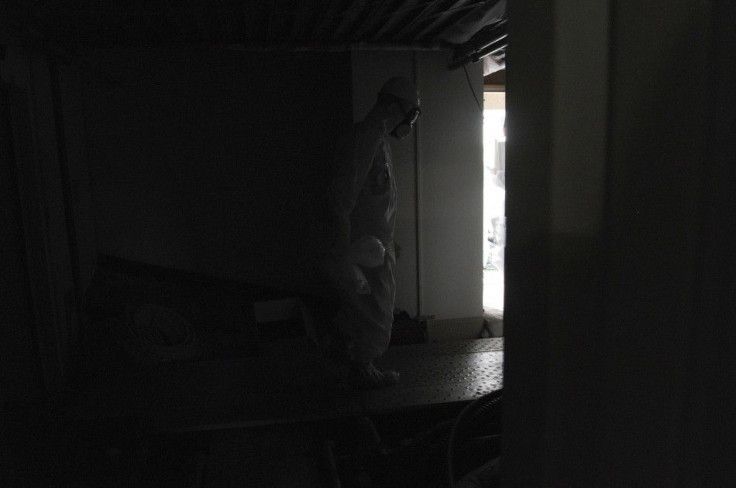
[369,327]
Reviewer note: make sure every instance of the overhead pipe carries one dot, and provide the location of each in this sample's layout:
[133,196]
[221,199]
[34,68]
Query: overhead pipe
[477,54]
[418,199]
[490,49]
[475,58]
[497,32]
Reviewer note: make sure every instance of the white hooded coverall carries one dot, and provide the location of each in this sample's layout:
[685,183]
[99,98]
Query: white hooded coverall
[363,190]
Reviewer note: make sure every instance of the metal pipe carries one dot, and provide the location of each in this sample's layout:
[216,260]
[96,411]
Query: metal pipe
[491,49]
[475,56]
[499,31]
[418,195]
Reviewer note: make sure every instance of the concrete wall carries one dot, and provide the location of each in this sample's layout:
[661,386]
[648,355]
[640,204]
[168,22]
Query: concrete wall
[215,161]
[450,189]
[712,373]
[440,184]
[616,318]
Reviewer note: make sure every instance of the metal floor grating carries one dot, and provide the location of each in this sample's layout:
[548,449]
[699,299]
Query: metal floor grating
[447,348]
[434,374]
[293,384]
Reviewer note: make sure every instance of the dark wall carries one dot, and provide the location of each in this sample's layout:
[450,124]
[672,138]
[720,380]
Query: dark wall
[619,309]
[20,373]
[33,143]
[657,158]
[711,402]
[214,161]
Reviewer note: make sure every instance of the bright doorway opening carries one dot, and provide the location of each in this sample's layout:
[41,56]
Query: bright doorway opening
[494,201]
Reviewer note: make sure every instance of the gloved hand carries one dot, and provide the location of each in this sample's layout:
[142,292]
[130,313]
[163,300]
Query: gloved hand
[367,252]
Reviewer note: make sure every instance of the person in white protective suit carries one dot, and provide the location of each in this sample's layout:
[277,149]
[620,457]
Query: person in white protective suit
[362,199]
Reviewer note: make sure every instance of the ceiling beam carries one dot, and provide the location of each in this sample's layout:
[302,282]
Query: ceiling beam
[429,13]
[442,17]
[406,10]
[372,20]
[463,29]
[419,18]
[292,46]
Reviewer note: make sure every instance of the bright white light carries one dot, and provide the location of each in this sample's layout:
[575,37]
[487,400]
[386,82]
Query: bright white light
[494,199]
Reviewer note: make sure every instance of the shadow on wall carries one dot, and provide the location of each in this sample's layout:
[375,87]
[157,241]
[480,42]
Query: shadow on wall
[215,161]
